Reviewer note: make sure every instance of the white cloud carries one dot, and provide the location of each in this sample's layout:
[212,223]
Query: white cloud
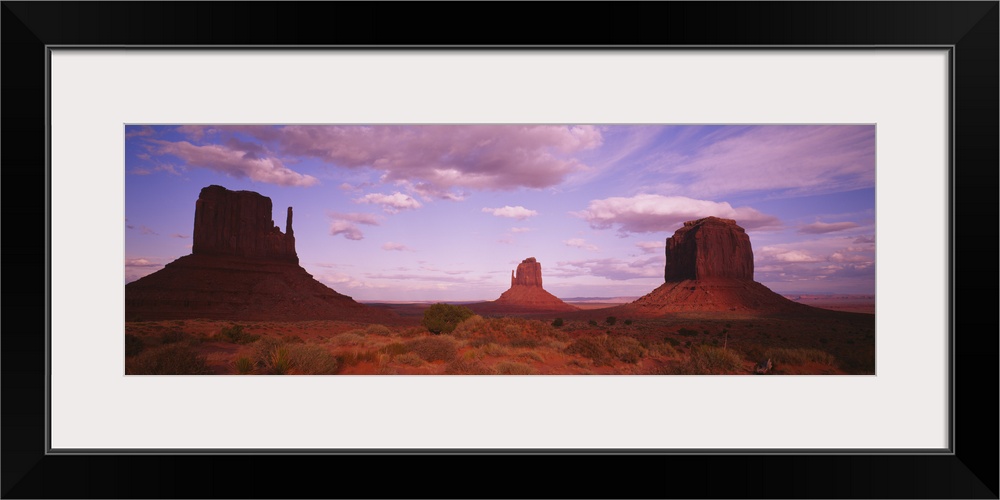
[518,212]
[644,213]
[651,246]
[580,243]
[391,203]
[349,230]
[390,246]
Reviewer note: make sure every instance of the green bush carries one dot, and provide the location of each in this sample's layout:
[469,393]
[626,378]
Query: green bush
[443,318]
[592,348]
[610,320]
[557,322]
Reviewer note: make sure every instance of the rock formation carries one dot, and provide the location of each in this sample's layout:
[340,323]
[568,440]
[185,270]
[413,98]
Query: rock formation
[529,273]
[242,267]
[709,248]
[525,294]
[238,223]
[709,267]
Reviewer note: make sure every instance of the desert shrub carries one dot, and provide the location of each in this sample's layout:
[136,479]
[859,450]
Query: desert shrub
[532,355]
[378,330]
[665,350]
[410,358]
[626,349]
[687,332]
[413,331]
[172,337]
[462,366]
[393,349]
[628,322]
[348,338]
[294,339]
[443,348]
[443,318]
[592,348]
[512,368]
[799,356]
[236,335]
[351,358]
[522,340]
[471,326]
[243,365]
[277,361]
[592,322]
[610,320]
[260,350]
[557,322]
[311,359]
[707,360]
[492,349]
[133,345]
[672,341]
[172,359]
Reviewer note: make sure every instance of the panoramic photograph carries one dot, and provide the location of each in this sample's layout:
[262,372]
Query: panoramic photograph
[507,249]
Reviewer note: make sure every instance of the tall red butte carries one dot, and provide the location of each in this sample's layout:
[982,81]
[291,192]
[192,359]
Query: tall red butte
[242,267]
[525,294]
[709,267]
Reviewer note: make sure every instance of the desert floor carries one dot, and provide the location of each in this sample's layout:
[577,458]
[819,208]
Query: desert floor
[586,342]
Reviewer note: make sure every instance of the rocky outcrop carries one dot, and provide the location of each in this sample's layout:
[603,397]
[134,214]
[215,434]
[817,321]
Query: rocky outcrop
[709,248]
[529,273]
[709,268]
[242,267]
[525,295]
[239,224]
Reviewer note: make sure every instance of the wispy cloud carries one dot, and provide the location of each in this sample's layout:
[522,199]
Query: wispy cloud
[610,268]
[346,224]
[518,212]
[825,227]
[798,159]
[399,247]
[651,246]
[516,230]
[247,161]
[440,158]
[646,213]
[179,235]
[580,243]
[391,203]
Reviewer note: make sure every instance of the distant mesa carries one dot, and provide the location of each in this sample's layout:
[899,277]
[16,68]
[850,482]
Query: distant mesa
[242,267]
[709,267]
[525,293]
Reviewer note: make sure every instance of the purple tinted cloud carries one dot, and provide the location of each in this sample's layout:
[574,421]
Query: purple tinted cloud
[438,158]
[651,246]
[239,163]
[580,243]
[360,218]
[399,247]
[647,213]
[796,158]
[391,203]
[611,268]
[824,227]
[349,230]
[518,212]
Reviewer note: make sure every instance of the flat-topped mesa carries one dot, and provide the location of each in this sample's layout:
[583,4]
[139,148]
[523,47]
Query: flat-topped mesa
[709,248]
[239,223]
[529,273]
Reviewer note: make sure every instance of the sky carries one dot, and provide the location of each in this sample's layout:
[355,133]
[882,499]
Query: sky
[445,212]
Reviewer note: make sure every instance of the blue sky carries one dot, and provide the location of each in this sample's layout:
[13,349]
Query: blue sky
[444,212]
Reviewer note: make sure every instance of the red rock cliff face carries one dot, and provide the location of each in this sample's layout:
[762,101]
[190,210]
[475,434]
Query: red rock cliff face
[709,248]
[529,273]
[238,223]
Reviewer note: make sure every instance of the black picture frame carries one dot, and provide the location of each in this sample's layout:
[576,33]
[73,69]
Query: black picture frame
[969,28]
